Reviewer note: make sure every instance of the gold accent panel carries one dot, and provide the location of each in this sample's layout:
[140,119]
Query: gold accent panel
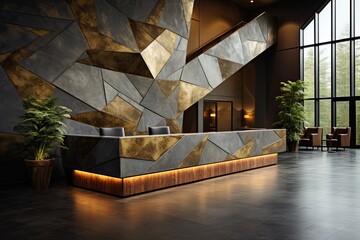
[17,57]
[188,9]
[193,158]
[85,11]
[153,30]
[27,83]
[190,94]
[147,148]
[122,62]
[274,146]
[120,108]
[38,32]
[228,68]
[156,13]
[280,133]
[143,39]
[155,57]
[173,125]
[99,41]
[101,119]
[4,56]
[246,150]
[168,40]
[98,182]
[167,86]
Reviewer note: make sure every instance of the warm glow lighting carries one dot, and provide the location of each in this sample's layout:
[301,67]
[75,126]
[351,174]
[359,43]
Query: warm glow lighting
[212,115]
[246,116]
[251,1]
[144,183]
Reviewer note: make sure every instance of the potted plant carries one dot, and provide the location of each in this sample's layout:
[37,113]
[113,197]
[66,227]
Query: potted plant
[291,115]
[43,131]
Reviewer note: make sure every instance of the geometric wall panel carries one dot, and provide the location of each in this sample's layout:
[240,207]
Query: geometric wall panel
[140,155]
[118,63]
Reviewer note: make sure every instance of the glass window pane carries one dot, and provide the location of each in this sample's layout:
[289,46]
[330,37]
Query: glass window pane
[325,115]
[342,19]
[309,108]
[357,18]
[342,114]
[325,70]
[357,67]
[309,34]
[325,24]
[357,122]
[309,72]
[343,69]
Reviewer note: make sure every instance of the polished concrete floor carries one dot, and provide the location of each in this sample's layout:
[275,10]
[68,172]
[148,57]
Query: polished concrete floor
[309,195]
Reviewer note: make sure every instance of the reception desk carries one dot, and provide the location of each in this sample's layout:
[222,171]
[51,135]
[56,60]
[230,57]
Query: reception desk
[131,165]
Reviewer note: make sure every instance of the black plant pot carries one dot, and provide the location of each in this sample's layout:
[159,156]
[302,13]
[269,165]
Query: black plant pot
[293,146]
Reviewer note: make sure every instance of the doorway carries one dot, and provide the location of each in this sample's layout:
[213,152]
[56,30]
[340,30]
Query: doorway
[218,116]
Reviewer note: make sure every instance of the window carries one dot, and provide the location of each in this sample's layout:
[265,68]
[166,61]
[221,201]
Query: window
[331,66]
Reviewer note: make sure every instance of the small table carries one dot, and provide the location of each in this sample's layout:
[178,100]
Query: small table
[329,145]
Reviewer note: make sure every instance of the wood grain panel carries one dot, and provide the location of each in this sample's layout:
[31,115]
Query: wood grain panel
[150,182]
[97,182]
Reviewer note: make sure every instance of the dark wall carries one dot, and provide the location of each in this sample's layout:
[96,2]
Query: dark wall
[283,61]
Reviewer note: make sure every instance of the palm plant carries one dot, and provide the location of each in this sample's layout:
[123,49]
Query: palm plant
[42,126]
[291,115]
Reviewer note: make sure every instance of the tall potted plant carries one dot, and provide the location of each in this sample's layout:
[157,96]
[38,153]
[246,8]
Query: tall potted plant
[291,115]
[43,131]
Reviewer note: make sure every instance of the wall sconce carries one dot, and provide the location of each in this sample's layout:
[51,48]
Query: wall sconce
[212,115]
[246,116]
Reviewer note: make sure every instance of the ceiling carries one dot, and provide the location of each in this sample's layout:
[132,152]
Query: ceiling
[256,3]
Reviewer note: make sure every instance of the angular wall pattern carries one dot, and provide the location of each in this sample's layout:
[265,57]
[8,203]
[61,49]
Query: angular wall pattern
[133,156]
[114,62]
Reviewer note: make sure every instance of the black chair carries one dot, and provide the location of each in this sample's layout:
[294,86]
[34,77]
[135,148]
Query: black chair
[112,131]
[164,130]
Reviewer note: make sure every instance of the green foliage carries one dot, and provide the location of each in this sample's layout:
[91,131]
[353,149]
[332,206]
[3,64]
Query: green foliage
[291,115]
[42,126]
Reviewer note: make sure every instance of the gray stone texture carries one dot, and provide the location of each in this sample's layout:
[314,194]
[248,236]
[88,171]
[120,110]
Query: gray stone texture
[57,56]
[229,49]
[212,153]
[114,24]
[110,168]
[133,167]
[228,141]
[13,37]
[211,69]
[138,10]
[121,83]
[10,104]
[149,119]
[142,84]
[193,73]
[175,62]
[110,92]
[156,102]
[172,13]
[84,82]
[75,127]
[172,158]
[70,101]
[45,23]
[43,8]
